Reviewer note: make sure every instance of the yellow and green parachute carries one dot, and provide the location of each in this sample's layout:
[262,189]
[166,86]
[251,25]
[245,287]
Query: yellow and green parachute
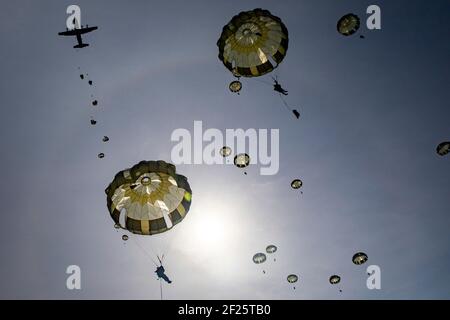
[253,43]
[150,195]
[348,24]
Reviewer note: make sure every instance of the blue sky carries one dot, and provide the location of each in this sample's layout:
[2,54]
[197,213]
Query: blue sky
[373,112]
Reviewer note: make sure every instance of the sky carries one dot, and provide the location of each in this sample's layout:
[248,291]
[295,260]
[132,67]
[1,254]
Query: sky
[373,111]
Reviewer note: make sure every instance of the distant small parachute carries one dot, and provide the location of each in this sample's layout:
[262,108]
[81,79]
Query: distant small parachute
[359,258]
[105,139]
[225,151]
[235,86]
[271,249]
[150,197]
[292,278]
[242,160]
[443,148]
[124,237]
[81,76]
[94,103]
[296,184]
[348,24]
[335,279]
[101,155]
[253,43]
[90,82]
[259,258]
[93,122]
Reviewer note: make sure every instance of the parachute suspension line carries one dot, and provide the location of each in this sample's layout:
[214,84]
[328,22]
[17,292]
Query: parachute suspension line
[265,82]
[168,243]
[144,251]
[152,251]
[294,111]
[285,103]
[161,259]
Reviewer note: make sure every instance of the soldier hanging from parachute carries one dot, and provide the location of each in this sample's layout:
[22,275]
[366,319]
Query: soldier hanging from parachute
[253,44]
[148,199]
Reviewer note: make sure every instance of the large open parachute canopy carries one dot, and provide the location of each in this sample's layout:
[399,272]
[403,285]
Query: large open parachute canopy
[150,195]
[253,43]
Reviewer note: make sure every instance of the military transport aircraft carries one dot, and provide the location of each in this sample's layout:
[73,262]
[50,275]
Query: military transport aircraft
[78,32]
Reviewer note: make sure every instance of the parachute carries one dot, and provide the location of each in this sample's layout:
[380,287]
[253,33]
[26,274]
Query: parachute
[296,184]
[105,139]
[443,148]
[151,195]
[253,43]
[150,198]
[359,258]
[235,86]
[101,155]
[124,237]
[271,249]
[292,278]
[335,279]
[348,24]
[225,151]
[242,160]
[259,258]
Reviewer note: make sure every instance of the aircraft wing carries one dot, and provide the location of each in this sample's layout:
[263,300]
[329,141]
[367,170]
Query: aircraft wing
[86,30]
[75,32]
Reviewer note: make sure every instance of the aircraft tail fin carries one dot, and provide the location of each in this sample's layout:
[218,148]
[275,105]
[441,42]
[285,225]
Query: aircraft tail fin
[82,45]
